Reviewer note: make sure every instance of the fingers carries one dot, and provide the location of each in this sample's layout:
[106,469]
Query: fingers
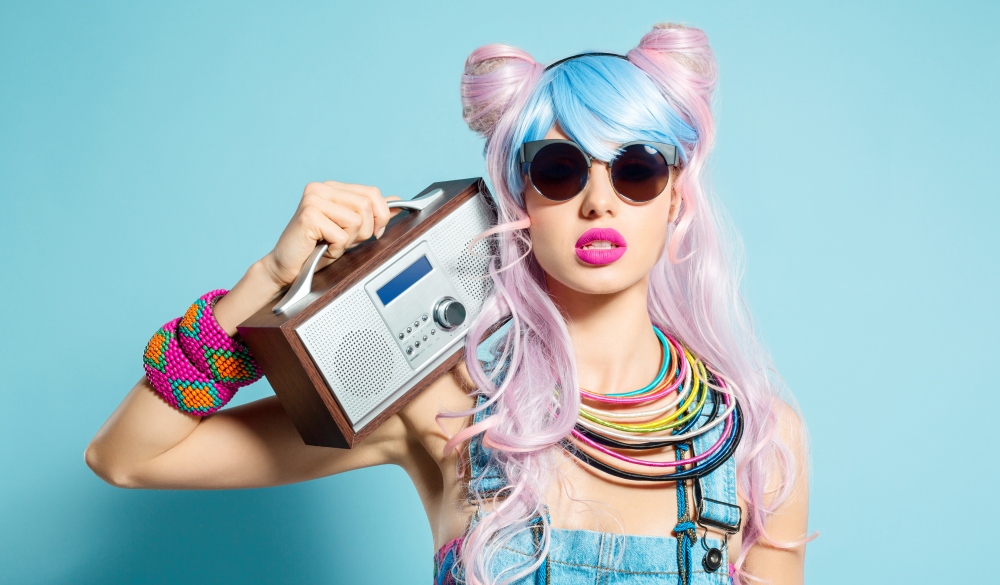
[337,238]
[348,213]
[376,203]
[342,214]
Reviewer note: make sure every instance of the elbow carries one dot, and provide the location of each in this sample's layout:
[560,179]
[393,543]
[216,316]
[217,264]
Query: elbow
[102,468]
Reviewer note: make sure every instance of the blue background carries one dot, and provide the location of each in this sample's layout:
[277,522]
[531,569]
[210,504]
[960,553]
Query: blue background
[151,153]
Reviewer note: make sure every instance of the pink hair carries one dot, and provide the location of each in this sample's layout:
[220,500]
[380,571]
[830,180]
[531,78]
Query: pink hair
[693,294]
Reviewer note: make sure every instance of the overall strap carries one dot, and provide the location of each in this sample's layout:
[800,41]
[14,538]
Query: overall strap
[715,493]
[485,476]
[714,496]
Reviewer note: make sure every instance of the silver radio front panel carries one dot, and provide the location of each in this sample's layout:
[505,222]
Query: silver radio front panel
[370,352]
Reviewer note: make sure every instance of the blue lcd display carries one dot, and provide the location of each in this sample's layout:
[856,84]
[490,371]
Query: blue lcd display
[404,280]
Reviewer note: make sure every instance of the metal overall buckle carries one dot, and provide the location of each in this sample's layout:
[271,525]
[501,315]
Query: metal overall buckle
[713,556]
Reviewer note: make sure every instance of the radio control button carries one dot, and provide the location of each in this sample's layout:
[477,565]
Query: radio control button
[409,329]
[409,350]
[416,324]
[433,331]
[424,317]
[425,338]
[449,313]
[401,335]
[417,344]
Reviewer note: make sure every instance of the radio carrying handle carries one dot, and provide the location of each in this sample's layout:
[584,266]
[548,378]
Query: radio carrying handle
[303,282]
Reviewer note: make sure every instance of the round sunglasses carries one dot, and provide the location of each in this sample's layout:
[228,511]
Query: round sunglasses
[559,169]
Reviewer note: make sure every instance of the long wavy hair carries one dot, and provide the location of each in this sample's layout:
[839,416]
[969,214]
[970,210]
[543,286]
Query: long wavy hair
[661,93]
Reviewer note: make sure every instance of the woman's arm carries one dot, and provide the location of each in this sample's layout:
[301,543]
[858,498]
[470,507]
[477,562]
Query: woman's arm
[789,523]
[147,443]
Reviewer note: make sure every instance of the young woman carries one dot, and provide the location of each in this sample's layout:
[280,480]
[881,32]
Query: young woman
[537,459]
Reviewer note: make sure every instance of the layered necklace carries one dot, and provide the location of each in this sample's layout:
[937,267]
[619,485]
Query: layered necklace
[685,400]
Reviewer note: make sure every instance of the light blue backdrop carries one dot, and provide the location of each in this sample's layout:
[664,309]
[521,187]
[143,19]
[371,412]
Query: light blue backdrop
[150,153]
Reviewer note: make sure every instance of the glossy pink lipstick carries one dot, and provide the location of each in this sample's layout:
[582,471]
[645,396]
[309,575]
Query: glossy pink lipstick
[600,246]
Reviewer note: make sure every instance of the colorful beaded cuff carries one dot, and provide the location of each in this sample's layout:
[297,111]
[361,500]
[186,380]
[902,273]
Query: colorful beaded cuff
[194,365]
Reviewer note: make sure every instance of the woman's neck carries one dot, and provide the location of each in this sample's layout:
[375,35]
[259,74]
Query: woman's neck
[613,340]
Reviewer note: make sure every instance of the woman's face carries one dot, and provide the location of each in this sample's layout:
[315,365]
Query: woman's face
[557,226]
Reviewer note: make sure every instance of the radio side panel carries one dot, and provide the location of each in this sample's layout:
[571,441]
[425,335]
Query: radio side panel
[281,362]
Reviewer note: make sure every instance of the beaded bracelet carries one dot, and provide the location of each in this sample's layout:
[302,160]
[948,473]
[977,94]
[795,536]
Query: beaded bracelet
[194,364]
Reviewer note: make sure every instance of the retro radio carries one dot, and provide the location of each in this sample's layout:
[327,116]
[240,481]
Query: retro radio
[347,347]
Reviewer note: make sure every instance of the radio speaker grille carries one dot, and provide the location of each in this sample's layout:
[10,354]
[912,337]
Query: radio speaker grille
[450,240]
[353,363]
[362,366]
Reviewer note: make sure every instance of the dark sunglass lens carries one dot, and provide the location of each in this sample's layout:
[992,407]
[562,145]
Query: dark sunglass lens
[640,172]
[559,171]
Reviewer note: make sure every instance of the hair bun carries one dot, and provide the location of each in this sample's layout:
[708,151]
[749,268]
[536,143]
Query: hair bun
[679,52]
[495,77]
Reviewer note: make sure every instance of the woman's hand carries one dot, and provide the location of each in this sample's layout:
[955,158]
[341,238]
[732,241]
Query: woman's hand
[342,214]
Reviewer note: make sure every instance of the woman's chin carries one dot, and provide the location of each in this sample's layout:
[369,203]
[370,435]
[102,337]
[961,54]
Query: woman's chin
[591,280]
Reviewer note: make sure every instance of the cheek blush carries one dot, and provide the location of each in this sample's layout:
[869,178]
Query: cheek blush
[600,246]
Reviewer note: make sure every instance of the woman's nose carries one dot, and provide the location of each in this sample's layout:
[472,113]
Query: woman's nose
[599,197]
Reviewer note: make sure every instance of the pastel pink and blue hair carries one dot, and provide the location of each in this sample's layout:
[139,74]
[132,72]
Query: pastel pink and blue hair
[661,93]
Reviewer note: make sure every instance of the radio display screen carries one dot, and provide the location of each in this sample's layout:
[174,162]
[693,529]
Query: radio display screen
[404,280]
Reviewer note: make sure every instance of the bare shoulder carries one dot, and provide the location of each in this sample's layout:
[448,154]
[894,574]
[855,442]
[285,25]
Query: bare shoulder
[791,430]
[789,466]
[779,557]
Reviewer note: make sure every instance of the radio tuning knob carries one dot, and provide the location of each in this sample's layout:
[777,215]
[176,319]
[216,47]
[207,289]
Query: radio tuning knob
[449,313]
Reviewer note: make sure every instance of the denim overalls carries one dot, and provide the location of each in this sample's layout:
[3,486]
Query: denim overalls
[584,557]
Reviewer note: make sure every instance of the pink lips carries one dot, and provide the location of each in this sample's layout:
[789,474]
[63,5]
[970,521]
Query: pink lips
[601,255]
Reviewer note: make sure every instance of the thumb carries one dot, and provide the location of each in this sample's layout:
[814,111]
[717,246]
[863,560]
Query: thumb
[392,213]
[396,211]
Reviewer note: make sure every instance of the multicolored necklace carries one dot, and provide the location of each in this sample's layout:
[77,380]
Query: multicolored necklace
[695,400]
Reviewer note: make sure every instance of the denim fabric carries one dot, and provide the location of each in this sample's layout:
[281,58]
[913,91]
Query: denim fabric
[716,492]
[584,557]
